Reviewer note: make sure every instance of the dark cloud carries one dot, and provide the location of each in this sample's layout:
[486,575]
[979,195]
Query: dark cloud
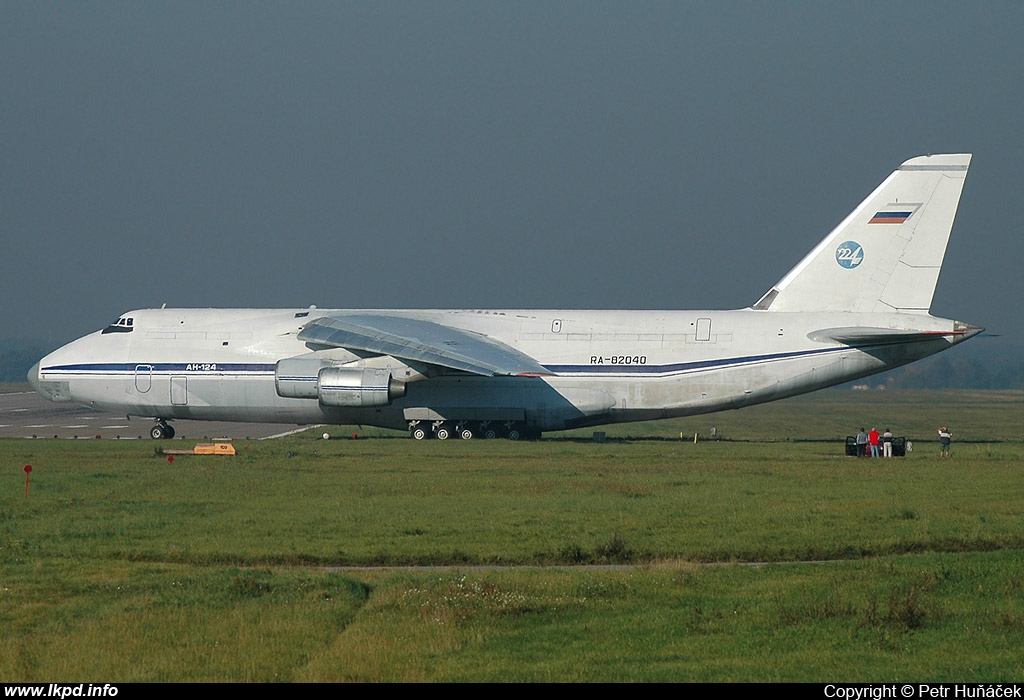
[599,155]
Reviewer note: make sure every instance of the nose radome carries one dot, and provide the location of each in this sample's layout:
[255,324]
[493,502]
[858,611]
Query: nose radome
[52,390]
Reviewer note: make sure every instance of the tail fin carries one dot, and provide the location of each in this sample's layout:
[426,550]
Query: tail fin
[886,255]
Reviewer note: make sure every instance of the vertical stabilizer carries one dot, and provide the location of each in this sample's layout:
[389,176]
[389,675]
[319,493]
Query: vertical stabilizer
[886,255]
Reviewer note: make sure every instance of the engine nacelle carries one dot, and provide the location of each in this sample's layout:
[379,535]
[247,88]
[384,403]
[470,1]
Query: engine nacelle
[297,377]
[318,378]
[346,386]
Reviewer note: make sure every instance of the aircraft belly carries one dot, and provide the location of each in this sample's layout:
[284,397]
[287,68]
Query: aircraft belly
[205,398]
[707,391]
[548,403]
[223,398]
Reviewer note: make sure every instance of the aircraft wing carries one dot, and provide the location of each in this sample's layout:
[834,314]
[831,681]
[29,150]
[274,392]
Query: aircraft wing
[421,341]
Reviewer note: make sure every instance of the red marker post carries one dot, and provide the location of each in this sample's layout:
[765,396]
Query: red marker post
[28,470]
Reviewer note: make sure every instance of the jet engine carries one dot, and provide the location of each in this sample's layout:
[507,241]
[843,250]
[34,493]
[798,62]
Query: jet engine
[344,386]
[296,377]
[317,378]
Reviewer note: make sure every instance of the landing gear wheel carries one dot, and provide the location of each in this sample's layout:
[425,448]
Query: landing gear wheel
[443,433]
[419,433]
[514,434]
[466,434]
[490,434]
[161,431]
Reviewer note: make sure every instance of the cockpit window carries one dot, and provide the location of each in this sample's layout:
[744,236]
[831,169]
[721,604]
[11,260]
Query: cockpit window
[125,324]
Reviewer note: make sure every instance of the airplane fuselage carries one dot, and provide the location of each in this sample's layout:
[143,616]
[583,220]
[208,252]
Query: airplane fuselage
[604,366]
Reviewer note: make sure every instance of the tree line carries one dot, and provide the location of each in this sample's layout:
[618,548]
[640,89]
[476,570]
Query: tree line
[15,363]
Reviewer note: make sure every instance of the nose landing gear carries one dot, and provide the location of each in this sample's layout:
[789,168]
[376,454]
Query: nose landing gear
[161,431]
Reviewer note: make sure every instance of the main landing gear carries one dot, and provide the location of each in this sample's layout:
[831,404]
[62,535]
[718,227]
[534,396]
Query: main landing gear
[488,430]
[161,431]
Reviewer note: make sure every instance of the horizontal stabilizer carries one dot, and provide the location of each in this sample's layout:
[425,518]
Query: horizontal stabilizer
[860,336]
[421,341]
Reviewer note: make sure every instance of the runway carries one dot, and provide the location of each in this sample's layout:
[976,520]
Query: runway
[28,415]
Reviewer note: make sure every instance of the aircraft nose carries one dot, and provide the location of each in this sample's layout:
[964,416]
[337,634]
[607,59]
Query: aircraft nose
[52,390]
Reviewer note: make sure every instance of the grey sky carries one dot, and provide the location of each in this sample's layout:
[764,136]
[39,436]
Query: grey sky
[482,154]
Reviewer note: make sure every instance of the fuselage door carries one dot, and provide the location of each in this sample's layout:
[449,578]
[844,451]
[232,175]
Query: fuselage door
[703,329]
[179,391]
[143,378]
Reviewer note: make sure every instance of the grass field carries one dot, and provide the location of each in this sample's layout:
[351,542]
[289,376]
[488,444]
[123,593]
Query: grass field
[765,556]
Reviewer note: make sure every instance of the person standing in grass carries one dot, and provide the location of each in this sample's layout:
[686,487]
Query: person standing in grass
[862,443]
[873,438]
[945,437]
[887,443]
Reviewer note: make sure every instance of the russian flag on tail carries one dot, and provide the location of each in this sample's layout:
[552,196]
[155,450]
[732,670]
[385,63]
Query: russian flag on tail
[890,217]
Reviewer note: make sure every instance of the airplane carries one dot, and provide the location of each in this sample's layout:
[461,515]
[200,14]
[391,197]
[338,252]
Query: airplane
[857,304]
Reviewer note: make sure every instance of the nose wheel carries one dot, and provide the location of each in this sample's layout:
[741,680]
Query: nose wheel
[161,431]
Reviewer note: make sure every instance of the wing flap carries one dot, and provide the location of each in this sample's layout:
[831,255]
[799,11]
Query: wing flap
[421,341]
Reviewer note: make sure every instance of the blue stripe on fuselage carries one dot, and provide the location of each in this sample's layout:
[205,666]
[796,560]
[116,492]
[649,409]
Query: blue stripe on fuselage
[198,368]
[223,368]
[680,367]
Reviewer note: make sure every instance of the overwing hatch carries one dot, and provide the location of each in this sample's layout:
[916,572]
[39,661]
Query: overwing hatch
[421,341]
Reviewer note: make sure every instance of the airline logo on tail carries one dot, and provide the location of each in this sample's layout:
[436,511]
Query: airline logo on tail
[849,254]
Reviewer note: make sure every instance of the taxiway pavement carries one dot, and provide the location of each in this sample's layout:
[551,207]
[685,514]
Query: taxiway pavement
[26,414]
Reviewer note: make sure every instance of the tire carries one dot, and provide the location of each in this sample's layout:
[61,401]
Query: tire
[466,434]
[157,432]
[514,434]
[490,434]
[443,433]
[419,433]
